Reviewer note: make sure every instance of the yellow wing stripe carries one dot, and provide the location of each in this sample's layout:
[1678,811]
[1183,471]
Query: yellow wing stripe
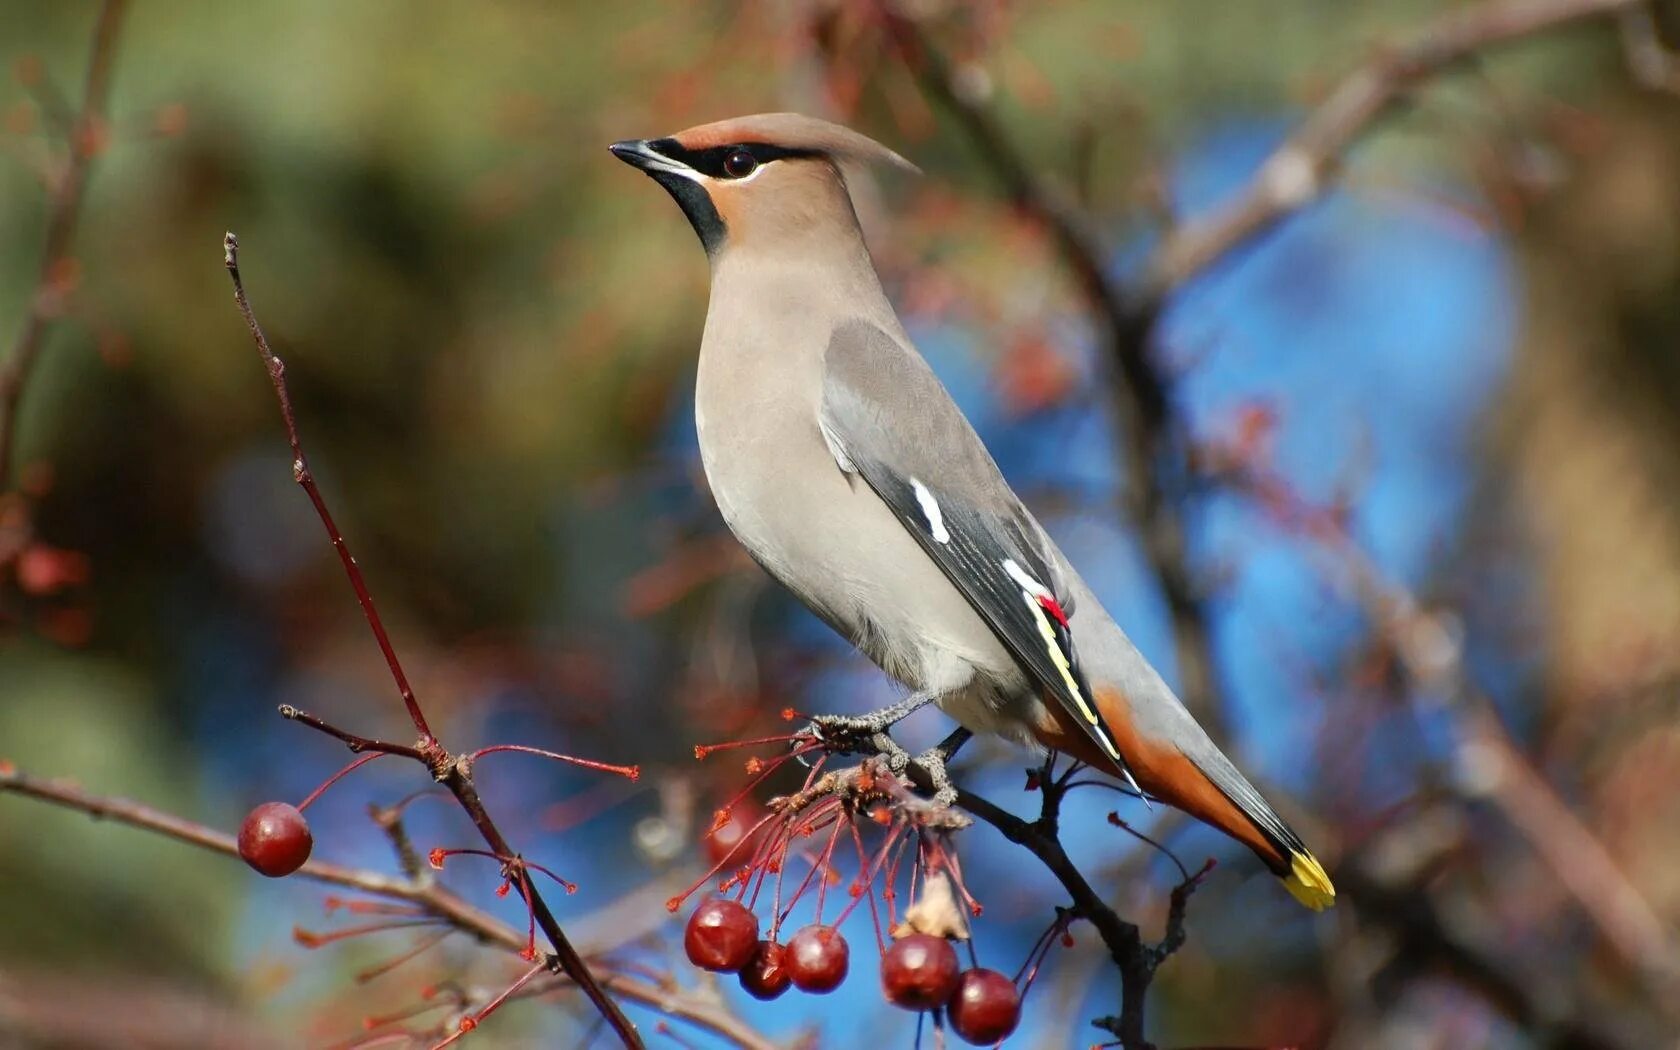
[1063,665]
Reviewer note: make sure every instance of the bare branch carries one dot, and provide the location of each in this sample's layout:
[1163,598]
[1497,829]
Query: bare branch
[302,475]
[682,1003]
[1432,653]
[1430,649]
[1299,170]
[86,131]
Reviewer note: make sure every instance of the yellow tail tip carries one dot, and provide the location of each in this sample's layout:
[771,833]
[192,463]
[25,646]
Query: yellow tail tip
[1308,883]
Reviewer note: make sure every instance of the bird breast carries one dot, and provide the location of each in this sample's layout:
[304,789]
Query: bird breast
[821,532]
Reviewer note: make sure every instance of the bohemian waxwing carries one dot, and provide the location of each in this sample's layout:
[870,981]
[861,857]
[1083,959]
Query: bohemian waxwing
[844,467]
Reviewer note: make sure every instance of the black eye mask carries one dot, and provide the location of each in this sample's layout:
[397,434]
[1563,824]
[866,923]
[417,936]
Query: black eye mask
[711,160]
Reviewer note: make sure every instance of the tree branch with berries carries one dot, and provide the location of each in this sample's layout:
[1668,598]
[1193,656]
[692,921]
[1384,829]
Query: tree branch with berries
[887,839]
[275,841]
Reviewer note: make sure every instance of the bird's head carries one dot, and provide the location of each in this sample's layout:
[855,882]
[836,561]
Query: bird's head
[773,177]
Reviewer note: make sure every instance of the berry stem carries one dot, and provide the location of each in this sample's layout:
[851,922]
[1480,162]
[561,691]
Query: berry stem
[336,777]
[632,772]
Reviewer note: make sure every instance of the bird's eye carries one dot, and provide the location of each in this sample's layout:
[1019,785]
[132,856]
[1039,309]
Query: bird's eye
[739,164]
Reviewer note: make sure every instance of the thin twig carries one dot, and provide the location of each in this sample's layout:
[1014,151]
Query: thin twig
[433,897]
[305,478]
[357,744]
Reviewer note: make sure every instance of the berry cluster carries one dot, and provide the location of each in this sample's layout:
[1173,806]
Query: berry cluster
[920,969]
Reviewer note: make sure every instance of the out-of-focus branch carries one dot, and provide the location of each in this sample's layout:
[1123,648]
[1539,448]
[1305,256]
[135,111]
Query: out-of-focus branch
[1653,63]
[87,133]
[436,899]
[1152,446]
[452,771]
[1423,941]
[1158,474]
[1299,170]
[1489,763]
[39,1007]
[708,1012]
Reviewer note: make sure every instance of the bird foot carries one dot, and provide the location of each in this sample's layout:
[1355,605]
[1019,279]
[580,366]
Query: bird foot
[852,733]
[845,735]
[933,760]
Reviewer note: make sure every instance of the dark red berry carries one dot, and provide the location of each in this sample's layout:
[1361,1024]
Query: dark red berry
[275,839]
[919,972]
[817,959]
[721,936]
[765,976]
[985,1008]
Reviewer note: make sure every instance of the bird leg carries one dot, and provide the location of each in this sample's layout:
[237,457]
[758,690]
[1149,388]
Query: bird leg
[933,760]
[860,732]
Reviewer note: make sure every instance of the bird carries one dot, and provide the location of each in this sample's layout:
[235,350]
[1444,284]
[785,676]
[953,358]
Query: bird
[843,466]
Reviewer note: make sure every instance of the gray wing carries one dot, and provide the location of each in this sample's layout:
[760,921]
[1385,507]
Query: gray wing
[888,420]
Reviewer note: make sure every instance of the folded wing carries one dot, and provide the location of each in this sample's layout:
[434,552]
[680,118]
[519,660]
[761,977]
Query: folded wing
[888,420]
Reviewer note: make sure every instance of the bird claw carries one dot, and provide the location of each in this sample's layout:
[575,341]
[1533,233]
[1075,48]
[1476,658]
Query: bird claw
[837,728]
[848,735]
[933,761]
[867,734]
[841,734]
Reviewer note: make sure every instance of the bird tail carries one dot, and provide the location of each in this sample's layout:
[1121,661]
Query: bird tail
[1302,874]
[1191,773]
[1308,882]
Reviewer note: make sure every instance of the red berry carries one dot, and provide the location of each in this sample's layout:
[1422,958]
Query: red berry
[721,936]
[275,839]
[985,1008]
[817,959]
[765,976]
[919,972]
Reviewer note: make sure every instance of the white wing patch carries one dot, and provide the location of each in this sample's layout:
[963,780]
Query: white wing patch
[930,510]
[1032,587]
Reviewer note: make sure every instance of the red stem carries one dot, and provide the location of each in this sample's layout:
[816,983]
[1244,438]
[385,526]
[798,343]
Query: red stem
[633,772]
[340,775]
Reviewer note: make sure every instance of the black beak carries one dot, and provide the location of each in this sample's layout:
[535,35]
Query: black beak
[679,180]
[637,154]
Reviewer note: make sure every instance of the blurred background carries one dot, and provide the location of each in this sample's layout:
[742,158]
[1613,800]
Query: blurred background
[1430,423]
